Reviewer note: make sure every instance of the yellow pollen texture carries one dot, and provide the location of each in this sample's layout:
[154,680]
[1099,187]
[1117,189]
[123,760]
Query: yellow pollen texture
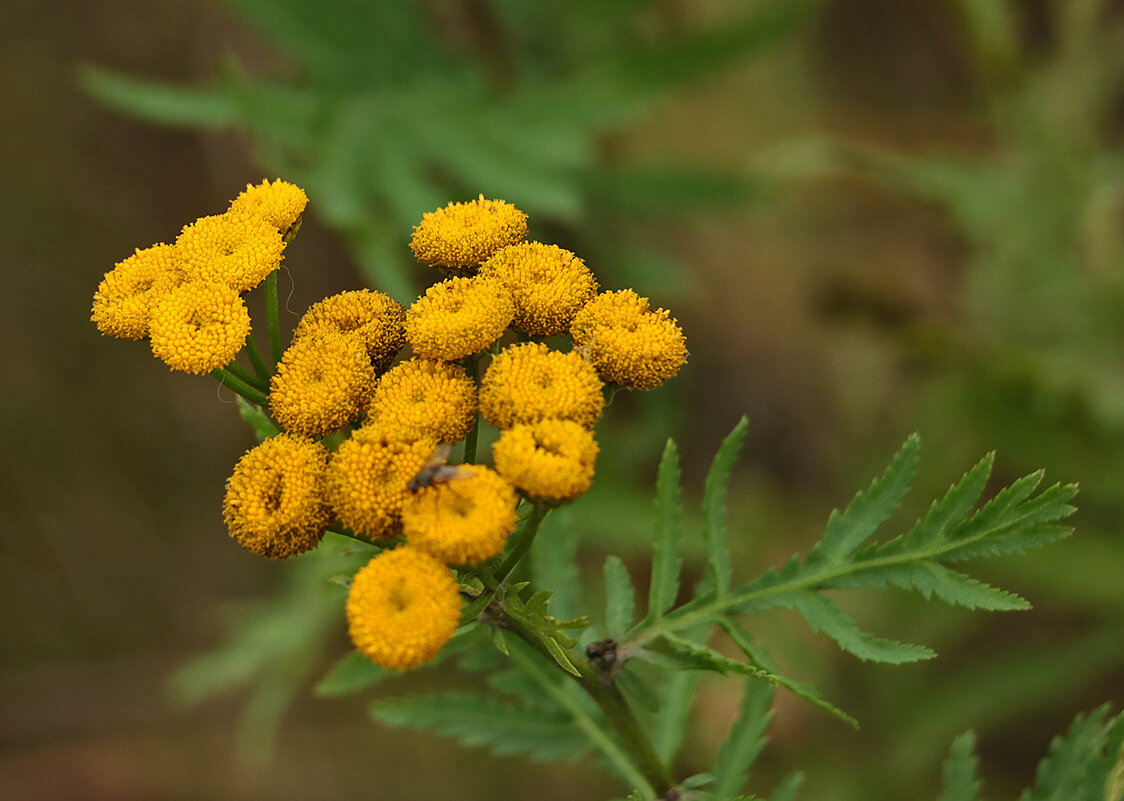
[198,326]
[529,382]
[627,343]
[237,250]
[124,298]
[424,398]
[551,461]
[373,316]
[458,317]
[367,478]
[279,203]
[322,383]
[403,606]
[548,284]
[464,520]
[275,504]
[460,236]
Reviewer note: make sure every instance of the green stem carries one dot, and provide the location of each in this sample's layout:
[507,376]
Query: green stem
[652,780]
[241,373]
[273,316]
[256,359]
[523,542]
[228,379]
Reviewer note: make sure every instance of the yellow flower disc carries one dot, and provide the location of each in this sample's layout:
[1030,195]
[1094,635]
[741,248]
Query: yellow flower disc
[424,398]
[548,284]
[461,236]
[550,461]
[458,317]
[237,250]
[322,383]
[628,343]
[403,606]
[374,316]
[367,478]
[464,520]
[198,326]
[279,203]
[124,298]
[275,504]
[529,382]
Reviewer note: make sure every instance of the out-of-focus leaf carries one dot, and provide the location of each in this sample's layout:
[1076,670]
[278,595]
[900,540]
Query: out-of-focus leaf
[160,102]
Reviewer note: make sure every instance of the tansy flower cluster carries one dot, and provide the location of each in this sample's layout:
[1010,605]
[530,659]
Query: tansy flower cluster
[369,398]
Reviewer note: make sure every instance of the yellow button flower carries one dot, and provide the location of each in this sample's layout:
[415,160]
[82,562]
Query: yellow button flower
[322,383]
[125,296]
[458,317]
[548,284]
[459,237]
[374,316]
[424,398]
[529,382]
[627,342]
[367,478]
[550,461]
[198,326]
[402,608]
[465,520]
[279,203]
[274,504]
[237,250]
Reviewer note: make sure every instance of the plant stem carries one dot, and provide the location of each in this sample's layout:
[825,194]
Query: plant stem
[228,379]
[523,541]
[273,316]
[256,359]
[241,373]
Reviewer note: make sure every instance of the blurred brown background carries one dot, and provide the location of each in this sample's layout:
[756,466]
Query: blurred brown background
[116,567]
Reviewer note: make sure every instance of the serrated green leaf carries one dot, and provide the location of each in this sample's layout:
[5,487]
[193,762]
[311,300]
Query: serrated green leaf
[252,415]
[825,617]
[788,788]
[554,563]
[714,510]
[351,673]
[746,738]
[869,509]
[559,655]
[620,598]
[931,578]
[674,707]
[961,770]
[951,510]
[1077,767]
[677,652]
[759,657]
[476,719]
[666,559]
[160,102]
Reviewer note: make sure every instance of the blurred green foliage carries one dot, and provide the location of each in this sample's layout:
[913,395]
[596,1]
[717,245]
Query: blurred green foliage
[392,109]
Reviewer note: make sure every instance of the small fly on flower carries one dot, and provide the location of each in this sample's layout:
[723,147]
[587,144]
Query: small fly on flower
[436,471]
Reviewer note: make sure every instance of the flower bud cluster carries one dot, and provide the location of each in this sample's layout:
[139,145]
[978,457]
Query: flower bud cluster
[367,428]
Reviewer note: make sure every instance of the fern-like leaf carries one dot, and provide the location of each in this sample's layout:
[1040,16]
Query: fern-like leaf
[961,770]
[745,740]
[1081,762]
[480,720]
[714,510]
[620,598]
[666,559]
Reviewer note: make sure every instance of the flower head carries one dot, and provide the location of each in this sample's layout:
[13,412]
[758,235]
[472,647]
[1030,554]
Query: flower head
[403,606]
[548,284]
[323,382]
[465,520]
[530,382]
[425,398]
[279,203]
[367,478]
[198,326]
[550,461]
[274,504]
[373,316]
[458,317]
[460,236]
[125,296]
[236,249]
[627,342]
